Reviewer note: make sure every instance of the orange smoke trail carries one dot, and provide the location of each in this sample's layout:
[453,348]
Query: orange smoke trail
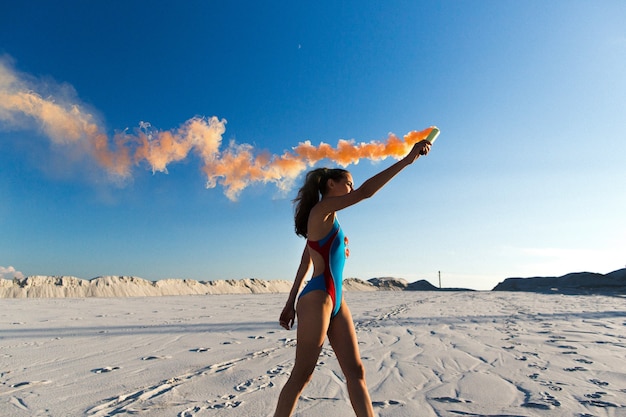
[234,167]
[237,167]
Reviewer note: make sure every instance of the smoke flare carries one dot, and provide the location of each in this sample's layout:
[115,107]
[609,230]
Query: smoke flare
[234,166]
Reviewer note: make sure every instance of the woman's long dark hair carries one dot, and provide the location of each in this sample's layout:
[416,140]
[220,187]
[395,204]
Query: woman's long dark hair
[315,185]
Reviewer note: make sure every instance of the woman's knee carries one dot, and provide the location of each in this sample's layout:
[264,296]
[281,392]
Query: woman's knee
[355,372]
[301,376]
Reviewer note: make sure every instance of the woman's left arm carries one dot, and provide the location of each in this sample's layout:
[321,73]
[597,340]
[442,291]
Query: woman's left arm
[288,315]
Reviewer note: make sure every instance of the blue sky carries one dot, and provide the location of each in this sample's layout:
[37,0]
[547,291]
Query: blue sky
[527,177]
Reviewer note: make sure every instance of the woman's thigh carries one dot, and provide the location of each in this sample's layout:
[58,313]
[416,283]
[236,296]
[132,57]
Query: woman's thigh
[342,337]
[313,318]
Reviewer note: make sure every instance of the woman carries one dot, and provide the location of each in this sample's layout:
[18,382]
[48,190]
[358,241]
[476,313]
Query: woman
[321,310]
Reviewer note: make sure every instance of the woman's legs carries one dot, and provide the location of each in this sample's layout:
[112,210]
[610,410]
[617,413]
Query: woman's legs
[313,315]
[342,337]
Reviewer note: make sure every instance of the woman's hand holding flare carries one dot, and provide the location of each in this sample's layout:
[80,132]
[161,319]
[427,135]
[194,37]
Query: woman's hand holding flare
[420,148]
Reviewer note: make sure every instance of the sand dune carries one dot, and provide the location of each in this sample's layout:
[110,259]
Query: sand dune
[425,353]
[42,286]
[122,286]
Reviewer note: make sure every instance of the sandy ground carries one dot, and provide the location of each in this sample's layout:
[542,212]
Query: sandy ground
[426,354]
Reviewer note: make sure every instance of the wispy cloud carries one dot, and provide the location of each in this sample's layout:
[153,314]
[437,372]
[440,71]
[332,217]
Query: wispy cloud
[10,272]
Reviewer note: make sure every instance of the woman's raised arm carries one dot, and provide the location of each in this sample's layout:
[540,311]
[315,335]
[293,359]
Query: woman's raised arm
[375,183]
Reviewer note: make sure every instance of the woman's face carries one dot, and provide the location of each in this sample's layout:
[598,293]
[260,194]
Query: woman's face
[342,186]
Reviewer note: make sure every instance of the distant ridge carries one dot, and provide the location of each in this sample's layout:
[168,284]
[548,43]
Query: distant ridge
[389,283]
[574,283]
[399,284]
[44,286]
[423,285]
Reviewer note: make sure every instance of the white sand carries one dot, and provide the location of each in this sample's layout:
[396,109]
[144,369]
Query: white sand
[426,354]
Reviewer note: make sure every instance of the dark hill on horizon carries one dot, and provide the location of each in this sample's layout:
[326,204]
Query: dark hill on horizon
[400,284]
[573,283]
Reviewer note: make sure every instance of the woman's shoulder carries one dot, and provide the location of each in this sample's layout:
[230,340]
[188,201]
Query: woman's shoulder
[320,223]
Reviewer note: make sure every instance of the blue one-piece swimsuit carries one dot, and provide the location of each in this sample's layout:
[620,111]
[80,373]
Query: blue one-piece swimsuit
[332,248]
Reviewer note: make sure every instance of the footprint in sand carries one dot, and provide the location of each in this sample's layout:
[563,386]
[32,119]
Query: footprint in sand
[554,386]
[538,406]
[595,400]
[550,399]
[19,403]
[21,384]
[251,385]
[451,400]
[548,402]
[151,358]
[105,369]
[596,395]
[534,365]
[386,403]
[566,347]
[28,383]
[228,402]
[575,369]
[598,382]
[599,403]
[244,386]
[199,350]
[279,370]
[256,384]
[190,412]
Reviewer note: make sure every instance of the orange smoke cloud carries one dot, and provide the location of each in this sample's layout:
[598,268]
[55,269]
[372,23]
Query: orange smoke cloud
[234,167]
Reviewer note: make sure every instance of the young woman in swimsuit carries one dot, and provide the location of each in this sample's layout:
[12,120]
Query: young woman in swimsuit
[321,310]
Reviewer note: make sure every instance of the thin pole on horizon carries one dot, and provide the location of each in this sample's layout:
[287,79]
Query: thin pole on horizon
[439,279]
